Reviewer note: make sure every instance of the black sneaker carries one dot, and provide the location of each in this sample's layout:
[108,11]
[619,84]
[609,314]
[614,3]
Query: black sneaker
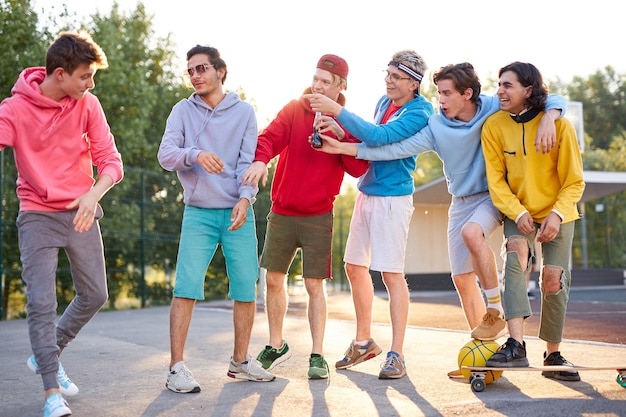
[555,358]
[512,354]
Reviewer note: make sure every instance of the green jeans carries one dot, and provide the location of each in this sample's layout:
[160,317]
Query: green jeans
[555,253]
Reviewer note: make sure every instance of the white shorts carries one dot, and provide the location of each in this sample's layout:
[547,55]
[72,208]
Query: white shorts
[477,208]
[379,230]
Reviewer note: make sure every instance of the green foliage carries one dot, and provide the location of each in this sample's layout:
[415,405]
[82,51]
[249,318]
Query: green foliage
[603,95]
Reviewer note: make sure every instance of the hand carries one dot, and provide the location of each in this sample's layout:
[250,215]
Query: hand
[254,173]
[525,224]
[546,133]
[549,228]
[85,215]
[333,146]
[239,214]
[321,103]
[325,124]
[210,162]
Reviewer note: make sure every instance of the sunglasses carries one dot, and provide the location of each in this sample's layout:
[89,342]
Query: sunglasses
[200,69]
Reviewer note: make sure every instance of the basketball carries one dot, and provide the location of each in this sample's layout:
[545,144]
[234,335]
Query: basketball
[476,353]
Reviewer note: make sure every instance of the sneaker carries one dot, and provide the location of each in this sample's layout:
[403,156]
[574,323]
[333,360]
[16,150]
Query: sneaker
[555,358]
[318,368]
[512,354]
[250,369]
[357,354]
[181,380]
[68,388]
[56,406]
[492,327]
[456,374]
[270,357]
[393,367]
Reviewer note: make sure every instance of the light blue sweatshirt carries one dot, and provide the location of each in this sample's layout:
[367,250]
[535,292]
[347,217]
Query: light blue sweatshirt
[457,143]
[229,130]
[389,177]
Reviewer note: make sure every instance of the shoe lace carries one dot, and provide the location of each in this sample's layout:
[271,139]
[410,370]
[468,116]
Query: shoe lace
[185,373]
[62,376]
[490,319]
[265,353]
[56,402]
[390,362]
[319,362]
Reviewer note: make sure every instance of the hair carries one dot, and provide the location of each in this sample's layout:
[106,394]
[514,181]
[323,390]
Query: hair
[463,76]
[339,81]
[72,49]
[214,57]
[411,59]
[529,76]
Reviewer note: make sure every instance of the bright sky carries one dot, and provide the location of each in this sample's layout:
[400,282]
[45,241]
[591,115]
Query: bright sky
[271,47]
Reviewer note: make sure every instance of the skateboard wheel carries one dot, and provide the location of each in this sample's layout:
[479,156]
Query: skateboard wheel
[621,380]
[478,384]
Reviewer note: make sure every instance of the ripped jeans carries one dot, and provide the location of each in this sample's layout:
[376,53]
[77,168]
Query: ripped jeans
[555,254]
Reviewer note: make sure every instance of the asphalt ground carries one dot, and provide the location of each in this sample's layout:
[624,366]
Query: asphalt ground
[119,361]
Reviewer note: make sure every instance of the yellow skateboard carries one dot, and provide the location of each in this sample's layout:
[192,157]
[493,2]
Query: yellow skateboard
[478,373]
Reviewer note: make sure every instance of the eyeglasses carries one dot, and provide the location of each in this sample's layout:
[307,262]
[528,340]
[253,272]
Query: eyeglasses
[394,78]
[200,69]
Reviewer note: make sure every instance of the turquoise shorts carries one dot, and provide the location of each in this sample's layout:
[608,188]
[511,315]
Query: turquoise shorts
[201,232]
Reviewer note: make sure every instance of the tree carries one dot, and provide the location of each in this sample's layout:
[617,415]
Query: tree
[603,95]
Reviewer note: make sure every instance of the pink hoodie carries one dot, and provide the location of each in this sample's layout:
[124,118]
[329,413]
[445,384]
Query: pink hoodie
[55,144]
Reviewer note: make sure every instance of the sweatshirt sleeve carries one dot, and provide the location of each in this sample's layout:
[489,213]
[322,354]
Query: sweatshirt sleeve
[555,101]
[246,156]
[377,135]
[104,153]
[570,171]
[420,142]
[499,190]
[353,166]
[172,154]
[275,137]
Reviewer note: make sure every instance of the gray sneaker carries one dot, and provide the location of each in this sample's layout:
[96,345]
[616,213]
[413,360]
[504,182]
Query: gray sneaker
[393,367]
[250,370]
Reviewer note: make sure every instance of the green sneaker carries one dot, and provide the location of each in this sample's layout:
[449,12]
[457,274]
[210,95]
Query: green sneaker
[270,357]
[318,368]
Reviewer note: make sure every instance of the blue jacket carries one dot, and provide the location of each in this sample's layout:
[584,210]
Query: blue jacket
[388,178]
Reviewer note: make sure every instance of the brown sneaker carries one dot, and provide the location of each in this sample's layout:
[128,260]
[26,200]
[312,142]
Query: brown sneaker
[393,367]
[492,326]
[357,354]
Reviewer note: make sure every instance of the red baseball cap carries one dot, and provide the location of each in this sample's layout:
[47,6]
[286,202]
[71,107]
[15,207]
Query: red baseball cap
[334,65]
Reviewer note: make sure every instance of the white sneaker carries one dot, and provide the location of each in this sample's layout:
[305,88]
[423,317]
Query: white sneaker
[68,388]
[181,380]
[251,370]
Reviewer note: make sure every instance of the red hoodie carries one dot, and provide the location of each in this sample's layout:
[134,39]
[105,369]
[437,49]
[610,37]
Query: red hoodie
[306,180]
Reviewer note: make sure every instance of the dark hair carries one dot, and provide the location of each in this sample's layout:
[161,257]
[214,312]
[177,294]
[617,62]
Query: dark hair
[462,75]
[529,75]
[214,57]
[72,49]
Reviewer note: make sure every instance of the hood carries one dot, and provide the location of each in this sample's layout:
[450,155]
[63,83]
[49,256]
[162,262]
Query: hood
[27,86]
